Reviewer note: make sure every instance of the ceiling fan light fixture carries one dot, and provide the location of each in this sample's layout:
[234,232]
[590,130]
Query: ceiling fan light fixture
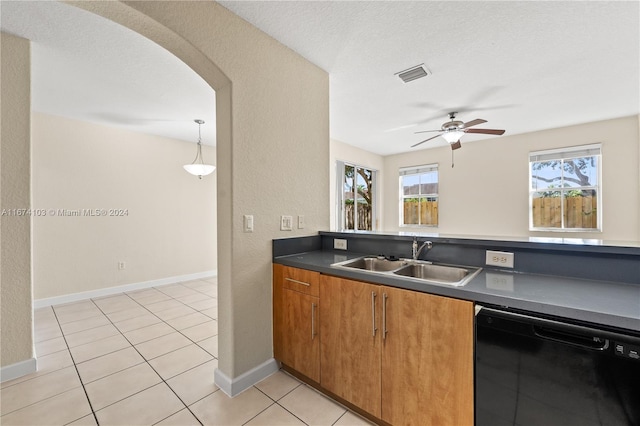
[198,167]
[452,136]
[453,130]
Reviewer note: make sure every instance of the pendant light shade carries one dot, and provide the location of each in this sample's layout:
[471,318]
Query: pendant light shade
[198,167]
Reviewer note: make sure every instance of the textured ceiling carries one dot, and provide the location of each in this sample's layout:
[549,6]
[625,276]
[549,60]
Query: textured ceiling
[522,66]
[89,68]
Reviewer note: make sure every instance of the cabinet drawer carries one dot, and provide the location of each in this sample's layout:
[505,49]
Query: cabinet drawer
[301,280]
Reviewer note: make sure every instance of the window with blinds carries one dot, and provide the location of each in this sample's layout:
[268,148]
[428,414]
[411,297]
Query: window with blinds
[564,189]
[419,195]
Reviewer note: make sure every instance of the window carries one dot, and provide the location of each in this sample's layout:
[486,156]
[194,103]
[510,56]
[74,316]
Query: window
[419,196]
[564,189]
[356,186]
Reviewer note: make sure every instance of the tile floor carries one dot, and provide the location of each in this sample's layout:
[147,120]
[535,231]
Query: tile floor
[147,357]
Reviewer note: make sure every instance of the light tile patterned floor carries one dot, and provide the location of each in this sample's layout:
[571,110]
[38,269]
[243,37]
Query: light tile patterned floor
[147,357]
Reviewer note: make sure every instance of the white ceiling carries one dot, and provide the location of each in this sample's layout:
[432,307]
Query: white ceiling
[89,68]
[522,66]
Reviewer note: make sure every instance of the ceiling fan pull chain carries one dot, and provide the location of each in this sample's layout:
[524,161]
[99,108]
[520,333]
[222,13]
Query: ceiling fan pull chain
[452,152]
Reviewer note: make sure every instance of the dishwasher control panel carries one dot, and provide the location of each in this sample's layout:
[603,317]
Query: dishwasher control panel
[627,350]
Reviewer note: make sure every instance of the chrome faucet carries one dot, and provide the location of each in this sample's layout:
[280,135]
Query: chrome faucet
[415,250]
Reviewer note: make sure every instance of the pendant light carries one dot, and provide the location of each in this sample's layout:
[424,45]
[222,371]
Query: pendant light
[198,168]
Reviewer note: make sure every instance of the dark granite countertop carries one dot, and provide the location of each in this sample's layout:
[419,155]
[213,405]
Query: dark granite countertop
[605,303]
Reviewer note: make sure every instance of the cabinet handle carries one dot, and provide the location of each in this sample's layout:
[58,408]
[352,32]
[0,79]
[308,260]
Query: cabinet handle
[373,312]
[384,315]
[297,282]
[313,320]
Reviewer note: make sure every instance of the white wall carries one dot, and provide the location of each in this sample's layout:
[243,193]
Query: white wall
[169,229]
[486,193]
[349,154]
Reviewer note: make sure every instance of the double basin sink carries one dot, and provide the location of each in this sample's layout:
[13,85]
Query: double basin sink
[421,270]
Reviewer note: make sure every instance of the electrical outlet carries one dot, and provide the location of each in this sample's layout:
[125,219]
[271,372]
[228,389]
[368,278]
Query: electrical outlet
[339,244]
[286,223]
[499,258]
[121,266]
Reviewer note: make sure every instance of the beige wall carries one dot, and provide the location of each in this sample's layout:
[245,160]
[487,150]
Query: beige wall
[16,330]
[349,154]
[272,121]
[169,228]
[486,192]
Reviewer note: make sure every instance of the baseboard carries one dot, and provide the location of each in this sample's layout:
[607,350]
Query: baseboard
[74,297]
[233,387]
[18,369]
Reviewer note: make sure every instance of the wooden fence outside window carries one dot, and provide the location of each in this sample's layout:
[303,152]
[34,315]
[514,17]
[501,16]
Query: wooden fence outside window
[579,212]
[421,212]
[364,216]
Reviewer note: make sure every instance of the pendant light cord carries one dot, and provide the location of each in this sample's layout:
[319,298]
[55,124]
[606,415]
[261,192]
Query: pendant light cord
[199,149]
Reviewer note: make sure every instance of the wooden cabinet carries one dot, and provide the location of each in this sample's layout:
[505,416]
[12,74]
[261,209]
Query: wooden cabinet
[350,346]
[405,357]
[427,359]
[296,310]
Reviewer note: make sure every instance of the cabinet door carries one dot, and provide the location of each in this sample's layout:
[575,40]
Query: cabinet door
[350,341]
[286,277]
[427,359]
[301,343]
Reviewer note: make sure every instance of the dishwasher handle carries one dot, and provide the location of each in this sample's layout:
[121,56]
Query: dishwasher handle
[560,331]
[585,341]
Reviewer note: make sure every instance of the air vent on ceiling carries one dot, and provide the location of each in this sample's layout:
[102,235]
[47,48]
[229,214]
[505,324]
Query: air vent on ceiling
[413,73]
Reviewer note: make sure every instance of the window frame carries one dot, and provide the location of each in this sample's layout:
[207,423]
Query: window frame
[417,171]
[562,154]
[340,199]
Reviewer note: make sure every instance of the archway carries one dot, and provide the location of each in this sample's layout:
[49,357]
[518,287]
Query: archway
[271,149]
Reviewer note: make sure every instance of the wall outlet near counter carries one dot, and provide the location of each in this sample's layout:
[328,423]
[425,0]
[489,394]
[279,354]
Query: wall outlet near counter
[286,223]
[339,244]
[503,259]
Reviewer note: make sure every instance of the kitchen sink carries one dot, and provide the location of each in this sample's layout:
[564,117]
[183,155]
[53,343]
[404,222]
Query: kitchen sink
[375,264]
[415,270]
[448,274]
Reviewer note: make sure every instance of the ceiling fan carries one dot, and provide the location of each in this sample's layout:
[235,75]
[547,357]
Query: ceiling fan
[453,130]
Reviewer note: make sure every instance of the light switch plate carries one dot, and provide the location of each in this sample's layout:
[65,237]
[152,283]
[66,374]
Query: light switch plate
[248,223]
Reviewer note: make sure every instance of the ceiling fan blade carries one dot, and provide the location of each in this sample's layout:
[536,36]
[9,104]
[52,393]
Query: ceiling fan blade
[426,140]
[473,123]
[485,131]
[427,131]
[456,145]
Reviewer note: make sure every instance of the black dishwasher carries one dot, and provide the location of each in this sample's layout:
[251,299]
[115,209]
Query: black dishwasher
[534,370]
